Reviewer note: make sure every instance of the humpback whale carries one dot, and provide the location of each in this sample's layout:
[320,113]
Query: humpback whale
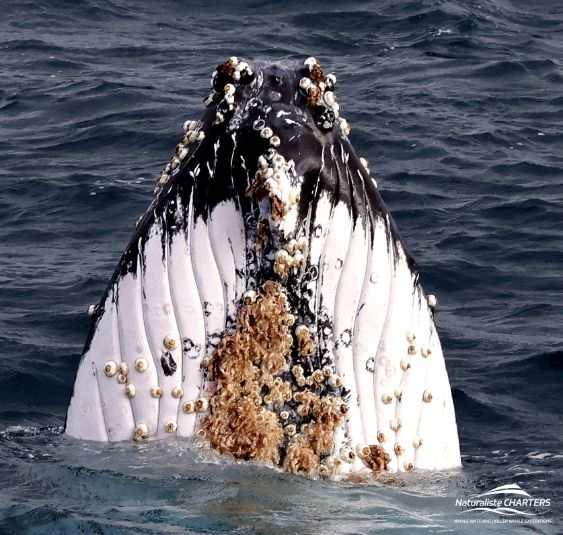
[266,304]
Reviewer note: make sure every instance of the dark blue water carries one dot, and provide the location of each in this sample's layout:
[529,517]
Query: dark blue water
[458,106]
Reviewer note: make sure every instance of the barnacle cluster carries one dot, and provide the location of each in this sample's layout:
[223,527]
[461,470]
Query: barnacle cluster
[193,133]
[241,422]
[375,457]
[318,89]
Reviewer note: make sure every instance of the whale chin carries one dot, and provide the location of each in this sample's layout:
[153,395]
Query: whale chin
[266,305]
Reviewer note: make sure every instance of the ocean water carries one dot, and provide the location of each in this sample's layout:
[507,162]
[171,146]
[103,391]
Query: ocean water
[458,106]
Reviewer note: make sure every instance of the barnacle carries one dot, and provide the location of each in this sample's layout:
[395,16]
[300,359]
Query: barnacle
[301,458]
[375,457]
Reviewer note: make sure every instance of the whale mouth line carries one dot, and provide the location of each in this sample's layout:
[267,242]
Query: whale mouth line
[266,304]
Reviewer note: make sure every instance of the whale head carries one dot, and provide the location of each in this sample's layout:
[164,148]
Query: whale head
[266,303]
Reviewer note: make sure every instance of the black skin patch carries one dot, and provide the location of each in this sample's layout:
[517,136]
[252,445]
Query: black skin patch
[168,364]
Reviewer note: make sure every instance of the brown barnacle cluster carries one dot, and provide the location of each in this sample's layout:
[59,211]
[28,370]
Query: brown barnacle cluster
[375,457]
[192,134]
[305,342]
[292,256]
[273,178]
[319,91]
[316,439]
[240,422]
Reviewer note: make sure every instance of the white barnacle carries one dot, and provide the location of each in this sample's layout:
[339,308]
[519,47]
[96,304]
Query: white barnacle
[331,80]
[298,259]
[110,368]
[188,407]
[344,127]
[141,365]
[229,89]
[275,141]
[170,427]
[156,392]
[266,132]
[169,343]
[279,161]
[310,62]
[92,310]
[302,243]
[386,399]
[219,118]
[411,338]
[305,83]
[122,379]
[426,352]
[183,152]
[432,301]
[200,135]
[324,470]
[141,432]
[177,392]
[297,371]
[291,246]
[329,98]
[301,331]
[427,396]
[405,365]
[123,368]
[189,125]
[335,381]
[395,424]
[130,390]
[201,405]
[250,297]
[262,162]
[417,442]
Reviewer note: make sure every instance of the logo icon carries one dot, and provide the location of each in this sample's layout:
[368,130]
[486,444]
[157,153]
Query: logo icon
[509,500]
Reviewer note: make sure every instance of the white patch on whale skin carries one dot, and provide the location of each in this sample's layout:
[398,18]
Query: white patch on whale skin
[369,325]
[159,325]
[135,345]
[191,324]
[346,304]
[98,395]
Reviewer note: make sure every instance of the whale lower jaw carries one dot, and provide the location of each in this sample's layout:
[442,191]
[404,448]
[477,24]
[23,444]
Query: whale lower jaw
[266,304]
[384,368]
